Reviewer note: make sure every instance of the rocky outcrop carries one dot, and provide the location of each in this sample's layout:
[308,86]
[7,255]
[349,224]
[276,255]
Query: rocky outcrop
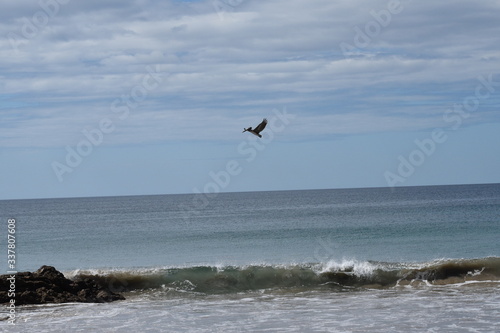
[47,285]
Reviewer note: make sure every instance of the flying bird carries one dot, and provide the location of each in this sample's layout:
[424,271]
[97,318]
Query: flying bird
[258,129]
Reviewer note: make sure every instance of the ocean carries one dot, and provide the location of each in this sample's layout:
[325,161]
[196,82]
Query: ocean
[407,259]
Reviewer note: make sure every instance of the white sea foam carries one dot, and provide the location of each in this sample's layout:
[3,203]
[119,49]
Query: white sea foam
[390,310]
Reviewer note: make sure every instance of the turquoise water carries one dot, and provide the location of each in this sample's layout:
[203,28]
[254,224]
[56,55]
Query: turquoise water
[340,260]
[407,224]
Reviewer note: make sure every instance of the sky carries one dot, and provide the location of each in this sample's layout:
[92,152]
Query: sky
[139,97]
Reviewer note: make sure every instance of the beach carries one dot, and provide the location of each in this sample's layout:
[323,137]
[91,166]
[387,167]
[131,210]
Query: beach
[415,259]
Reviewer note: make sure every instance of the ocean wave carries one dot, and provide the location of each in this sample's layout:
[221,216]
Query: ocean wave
[344,275]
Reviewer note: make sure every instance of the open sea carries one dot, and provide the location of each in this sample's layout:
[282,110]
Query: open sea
[409,259]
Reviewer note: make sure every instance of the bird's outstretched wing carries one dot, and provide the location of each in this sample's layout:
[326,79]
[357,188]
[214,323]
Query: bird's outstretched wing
[261,126]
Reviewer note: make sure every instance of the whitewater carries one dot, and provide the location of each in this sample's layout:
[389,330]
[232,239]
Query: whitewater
[416,259]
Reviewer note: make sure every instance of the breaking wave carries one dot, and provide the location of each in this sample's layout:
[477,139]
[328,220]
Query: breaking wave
[345,275]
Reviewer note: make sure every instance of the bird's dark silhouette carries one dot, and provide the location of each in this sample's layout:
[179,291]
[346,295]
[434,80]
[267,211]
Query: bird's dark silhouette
[258,129]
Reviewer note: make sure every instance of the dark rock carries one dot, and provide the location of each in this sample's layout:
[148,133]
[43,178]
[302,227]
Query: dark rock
[48,285]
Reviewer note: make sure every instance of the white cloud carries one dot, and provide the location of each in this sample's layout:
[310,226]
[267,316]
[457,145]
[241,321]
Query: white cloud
[218,70]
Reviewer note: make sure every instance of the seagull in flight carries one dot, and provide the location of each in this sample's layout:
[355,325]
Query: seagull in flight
[258,129]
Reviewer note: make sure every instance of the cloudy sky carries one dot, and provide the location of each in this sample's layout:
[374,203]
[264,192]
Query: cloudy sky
[121,97]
